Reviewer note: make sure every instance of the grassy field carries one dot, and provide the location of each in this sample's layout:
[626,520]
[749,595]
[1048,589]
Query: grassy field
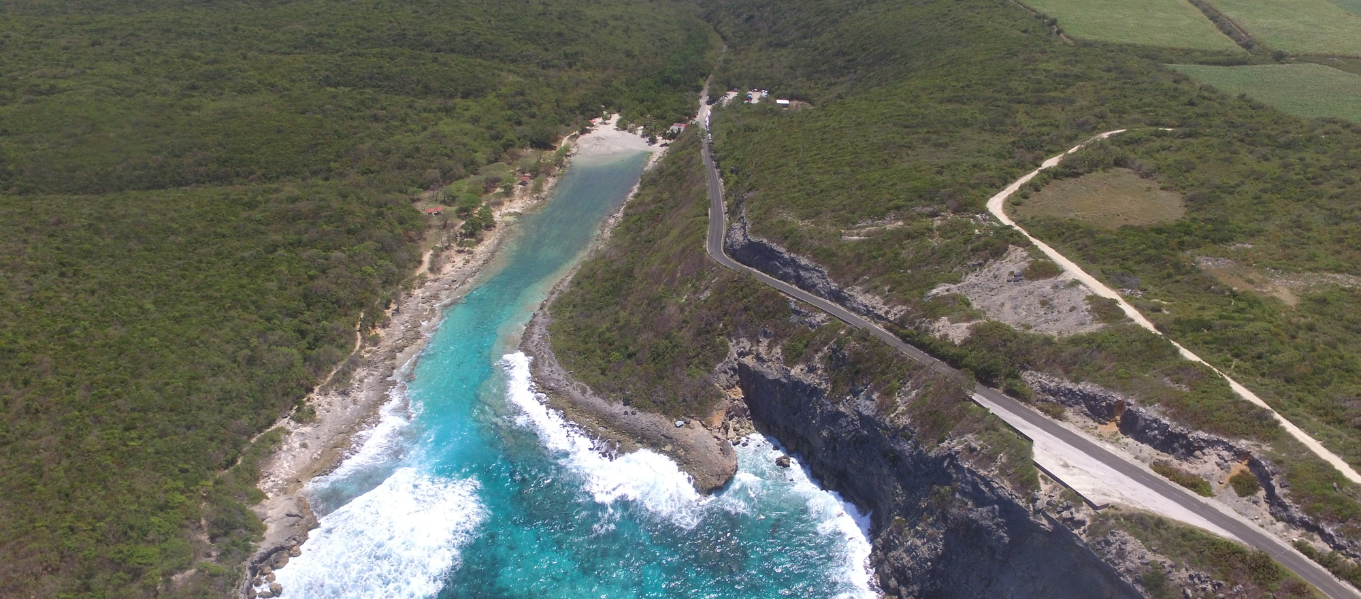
[197,203]
[1298,26]
[1168,23]
[1351,6]
[1107,199]
[1330,92]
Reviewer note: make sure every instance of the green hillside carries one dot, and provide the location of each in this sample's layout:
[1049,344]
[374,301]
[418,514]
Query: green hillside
[197,200]
[922,112]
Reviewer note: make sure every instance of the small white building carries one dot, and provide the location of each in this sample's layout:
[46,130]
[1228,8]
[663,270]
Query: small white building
[782,103]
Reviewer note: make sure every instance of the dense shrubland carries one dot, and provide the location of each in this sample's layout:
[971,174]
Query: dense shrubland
[924,111]
[197,201]
[647,319]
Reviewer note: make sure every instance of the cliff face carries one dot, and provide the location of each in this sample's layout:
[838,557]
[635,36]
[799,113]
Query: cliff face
[1149,428]
[941,528]
[770,258]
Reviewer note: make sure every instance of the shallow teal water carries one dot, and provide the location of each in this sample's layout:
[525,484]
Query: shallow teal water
[469,487]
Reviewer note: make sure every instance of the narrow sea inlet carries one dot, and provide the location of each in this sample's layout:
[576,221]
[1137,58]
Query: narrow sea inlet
[470,487]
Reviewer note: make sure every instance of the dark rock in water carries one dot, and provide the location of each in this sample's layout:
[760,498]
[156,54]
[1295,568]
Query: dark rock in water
[250,593]
[265,570]
[276,588]
[295,551]
[265,594]
[782,461]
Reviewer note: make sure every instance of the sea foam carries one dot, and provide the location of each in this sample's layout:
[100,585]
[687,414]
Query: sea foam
[657,483]
[397,541]
[835,516]
[381,444]
[644,476]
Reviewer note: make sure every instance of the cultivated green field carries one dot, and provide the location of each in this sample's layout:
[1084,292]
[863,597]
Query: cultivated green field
[1351,6]
[1304,90]
[1298,26]
[1167,23]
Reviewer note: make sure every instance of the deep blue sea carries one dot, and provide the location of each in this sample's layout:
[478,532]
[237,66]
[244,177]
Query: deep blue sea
[470,487]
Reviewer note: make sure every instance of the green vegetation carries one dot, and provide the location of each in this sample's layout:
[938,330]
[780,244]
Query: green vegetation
[198,202]
[648,318]
[146,337]
[1297,26]
[1341,567]
[1263,199]
[408,91]
[1224,560]
[1109,199]
[1351,6]
[920,125]
[1245,484]
[1186,479]
[1305,90]
[1041,268]
[1169,23]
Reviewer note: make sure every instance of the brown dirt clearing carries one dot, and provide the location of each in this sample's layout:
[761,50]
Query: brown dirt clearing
[1108,199]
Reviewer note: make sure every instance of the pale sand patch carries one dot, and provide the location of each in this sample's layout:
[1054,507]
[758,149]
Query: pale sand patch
[606,139]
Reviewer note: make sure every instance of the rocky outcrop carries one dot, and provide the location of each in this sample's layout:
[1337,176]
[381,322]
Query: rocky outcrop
[940,527]
[1136,422]
[768,257]
[1146,426]
[705,455]
[1276,488]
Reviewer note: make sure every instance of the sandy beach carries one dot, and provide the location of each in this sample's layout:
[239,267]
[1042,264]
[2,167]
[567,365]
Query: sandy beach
[344,412]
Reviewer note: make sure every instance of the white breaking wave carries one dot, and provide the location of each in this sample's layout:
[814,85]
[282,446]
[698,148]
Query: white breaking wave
[396,541]
[380,444]
[644,476]
[834,515]
[657,483]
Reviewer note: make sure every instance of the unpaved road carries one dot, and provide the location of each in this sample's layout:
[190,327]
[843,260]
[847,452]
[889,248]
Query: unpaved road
[997,206]
[1021,416]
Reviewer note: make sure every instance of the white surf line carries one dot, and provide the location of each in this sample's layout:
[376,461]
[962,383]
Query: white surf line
[996,206]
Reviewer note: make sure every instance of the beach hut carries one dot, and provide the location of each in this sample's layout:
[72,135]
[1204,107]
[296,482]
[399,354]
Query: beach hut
[435,210]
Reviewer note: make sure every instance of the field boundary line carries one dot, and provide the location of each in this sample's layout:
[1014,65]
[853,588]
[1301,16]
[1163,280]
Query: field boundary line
[1037,14]
[1226,25]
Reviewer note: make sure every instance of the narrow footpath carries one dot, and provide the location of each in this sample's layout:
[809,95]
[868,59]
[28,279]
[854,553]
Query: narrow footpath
[1039,428]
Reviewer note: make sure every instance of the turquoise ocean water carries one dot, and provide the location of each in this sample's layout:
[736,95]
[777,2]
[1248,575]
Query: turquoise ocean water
[470,487]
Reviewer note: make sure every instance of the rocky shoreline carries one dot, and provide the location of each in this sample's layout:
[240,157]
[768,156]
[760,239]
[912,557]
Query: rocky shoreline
[311,449]
[314,448]
[705,455]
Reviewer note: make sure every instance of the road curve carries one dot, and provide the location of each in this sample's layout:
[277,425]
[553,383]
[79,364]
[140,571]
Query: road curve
[1286,555]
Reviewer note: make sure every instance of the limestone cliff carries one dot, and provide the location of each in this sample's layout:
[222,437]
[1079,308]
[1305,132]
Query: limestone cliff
[942,527]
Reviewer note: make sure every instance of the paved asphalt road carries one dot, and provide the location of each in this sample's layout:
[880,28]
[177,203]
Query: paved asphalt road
[1307,569]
